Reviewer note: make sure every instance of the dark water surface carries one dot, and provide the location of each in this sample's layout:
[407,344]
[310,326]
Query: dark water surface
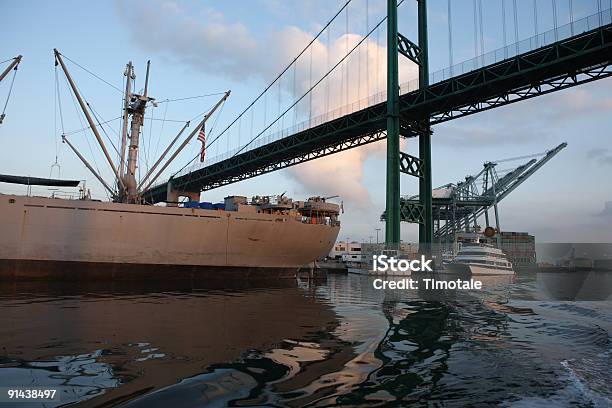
[538,340]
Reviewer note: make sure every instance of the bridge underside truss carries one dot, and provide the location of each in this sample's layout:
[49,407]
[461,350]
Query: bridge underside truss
[574,61]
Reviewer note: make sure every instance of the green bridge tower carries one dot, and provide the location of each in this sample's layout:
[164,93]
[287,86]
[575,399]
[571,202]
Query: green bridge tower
[398,161]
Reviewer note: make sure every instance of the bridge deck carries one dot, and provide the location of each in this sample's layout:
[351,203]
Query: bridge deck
[576,60]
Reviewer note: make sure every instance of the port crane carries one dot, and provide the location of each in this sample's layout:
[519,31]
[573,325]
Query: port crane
[458,206]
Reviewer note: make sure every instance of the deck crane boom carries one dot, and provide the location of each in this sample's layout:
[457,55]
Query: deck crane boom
[11,67]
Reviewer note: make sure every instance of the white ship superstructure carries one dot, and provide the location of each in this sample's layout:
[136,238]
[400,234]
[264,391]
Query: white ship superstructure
[480,259]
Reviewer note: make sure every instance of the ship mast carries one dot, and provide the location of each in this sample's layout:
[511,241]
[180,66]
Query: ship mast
[129,74]
[136,108]
[128,190]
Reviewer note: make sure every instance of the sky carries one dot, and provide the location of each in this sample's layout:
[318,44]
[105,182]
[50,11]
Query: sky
[207,47]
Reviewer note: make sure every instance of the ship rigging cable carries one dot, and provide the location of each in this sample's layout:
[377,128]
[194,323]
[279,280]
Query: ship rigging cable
[3,114]
[14,65]
[212,130]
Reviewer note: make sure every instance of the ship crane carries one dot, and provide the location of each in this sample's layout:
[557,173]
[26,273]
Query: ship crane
[458,206]
[11,67]
[128,189]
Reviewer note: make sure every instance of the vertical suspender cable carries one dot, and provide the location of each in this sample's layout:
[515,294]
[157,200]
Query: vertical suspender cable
[450,36]
[475,31]
[265,121]
[504,28]
[535,22]
[571,16]
[482,48]
[359,74]
[294,93]
[327,108]
[239,131]
[280,101]
[347,60]
[554,10]
[377,59]
[252,119]
[516,33]
[310,93]
[368,92]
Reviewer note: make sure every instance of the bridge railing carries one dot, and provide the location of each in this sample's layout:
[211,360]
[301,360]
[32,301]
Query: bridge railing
[546,38]
[529,44]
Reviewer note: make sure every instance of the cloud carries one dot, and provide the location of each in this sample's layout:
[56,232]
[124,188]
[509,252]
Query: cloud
[340,174]
[484,133]
[601,155]
[607,211]
[203,39]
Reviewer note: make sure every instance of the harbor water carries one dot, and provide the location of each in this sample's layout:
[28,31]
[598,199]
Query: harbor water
[543,339]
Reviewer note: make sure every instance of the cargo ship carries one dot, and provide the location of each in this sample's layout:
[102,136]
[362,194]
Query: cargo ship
[128,238]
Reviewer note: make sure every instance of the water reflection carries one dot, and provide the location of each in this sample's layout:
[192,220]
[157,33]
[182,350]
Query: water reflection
[310,343]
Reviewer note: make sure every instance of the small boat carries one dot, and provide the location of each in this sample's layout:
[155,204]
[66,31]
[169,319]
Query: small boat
[479,259]
[358,268]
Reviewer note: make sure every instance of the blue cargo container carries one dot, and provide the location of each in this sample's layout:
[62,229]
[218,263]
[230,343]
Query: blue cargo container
[219,206]
[206,205]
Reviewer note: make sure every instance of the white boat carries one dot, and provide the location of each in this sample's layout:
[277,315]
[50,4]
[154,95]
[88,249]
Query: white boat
[358,268]
[480,259]
[367,268]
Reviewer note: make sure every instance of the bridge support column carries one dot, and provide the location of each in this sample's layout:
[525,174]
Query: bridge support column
[392,224]
[173,195]
[425,183]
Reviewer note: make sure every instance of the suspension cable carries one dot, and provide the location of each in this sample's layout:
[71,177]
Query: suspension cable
[285,69]
[313,86]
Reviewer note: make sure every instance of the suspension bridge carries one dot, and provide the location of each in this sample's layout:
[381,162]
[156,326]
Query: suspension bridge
[573,54]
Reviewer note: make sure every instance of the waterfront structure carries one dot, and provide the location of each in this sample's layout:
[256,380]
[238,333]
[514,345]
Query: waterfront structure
[520,249]
[346,251]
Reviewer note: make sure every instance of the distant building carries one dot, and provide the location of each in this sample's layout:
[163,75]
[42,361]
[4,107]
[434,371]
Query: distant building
[406,249]
[519,247]
[346,251]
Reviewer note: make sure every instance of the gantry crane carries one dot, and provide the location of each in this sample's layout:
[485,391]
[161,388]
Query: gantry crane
[458,206]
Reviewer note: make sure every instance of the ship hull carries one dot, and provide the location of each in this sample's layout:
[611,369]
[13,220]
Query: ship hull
[107,239]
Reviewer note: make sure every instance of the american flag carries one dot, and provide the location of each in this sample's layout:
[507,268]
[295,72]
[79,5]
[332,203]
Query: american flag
[202,138]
